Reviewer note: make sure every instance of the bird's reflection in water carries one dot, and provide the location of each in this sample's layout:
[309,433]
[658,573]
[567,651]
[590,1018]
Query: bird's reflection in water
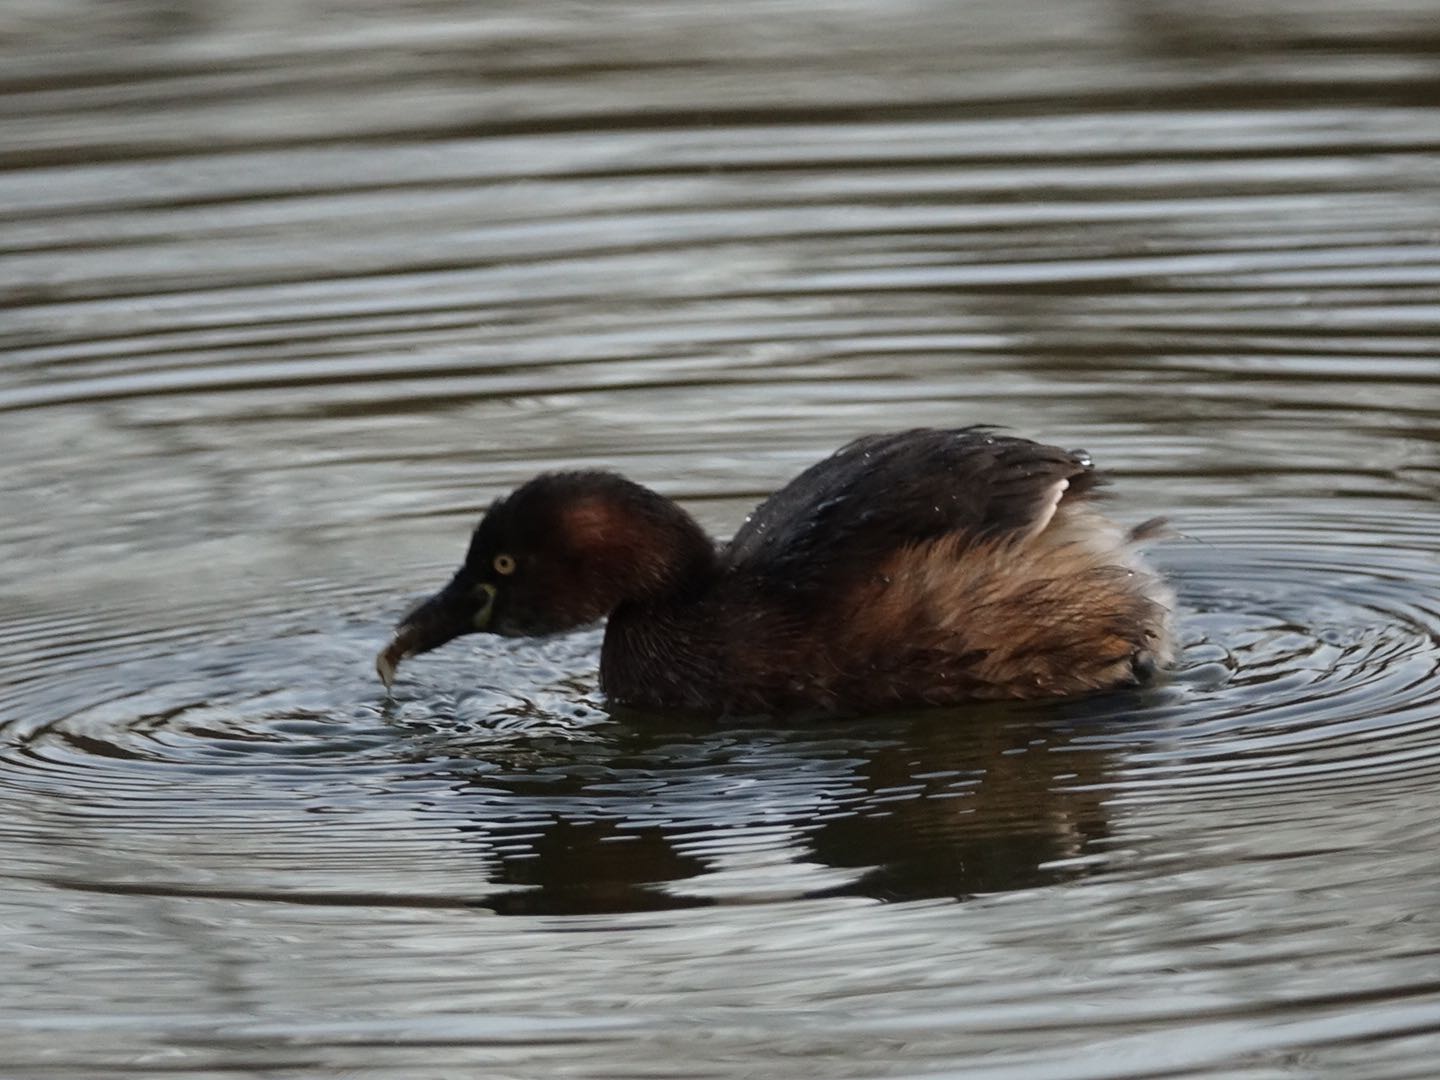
[646,814]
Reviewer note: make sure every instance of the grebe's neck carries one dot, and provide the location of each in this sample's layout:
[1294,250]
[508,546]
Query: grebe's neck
[664,651]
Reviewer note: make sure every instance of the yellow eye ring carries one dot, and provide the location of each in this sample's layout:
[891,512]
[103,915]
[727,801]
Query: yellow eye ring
[504,564]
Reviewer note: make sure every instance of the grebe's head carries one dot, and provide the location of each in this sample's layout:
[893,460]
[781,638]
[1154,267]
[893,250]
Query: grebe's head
[563,550]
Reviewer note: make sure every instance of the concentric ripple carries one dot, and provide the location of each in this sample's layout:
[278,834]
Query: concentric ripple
[253,763]
[1311,656]
[497,777]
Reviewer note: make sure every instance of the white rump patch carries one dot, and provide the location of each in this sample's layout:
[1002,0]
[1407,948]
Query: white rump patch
[1047,507]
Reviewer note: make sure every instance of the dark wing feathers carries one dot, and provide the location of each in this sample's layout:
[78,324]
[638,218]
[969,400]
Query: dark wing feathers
[881,492]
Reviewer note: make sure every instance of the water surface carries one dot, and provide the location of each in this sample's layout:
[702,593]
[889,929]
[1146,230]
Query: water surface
[289,293]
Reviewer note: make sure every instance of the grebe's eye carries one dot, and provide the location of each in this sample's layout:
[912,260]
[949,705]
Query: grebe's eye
[504,564]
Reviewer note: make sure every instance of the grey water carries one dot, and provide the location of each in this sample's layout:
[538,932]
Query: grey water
[289,292]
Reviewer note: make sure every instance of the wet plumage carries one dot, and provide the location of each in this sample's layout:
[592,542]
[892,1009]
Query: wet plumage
[919,567]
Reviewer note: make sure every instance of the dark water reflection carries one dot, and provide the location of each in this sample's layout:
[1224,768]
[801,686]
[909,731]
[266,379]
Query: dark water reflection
[289,292]
[931,809]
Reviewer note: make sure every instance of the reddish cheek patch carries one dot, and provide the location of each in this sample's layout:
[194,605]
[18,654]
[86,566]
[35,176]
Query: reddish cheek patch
[595,525]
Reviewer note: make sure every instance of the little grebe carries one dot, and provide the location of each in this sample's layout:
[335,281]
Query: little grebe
[920,567]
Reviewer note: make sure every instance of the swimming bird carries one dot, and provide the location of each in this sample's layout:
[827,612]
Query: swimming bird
[922,567]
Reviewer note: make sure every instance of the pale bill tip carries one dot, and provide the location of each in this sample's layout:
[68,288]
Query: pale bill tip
[385,666]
